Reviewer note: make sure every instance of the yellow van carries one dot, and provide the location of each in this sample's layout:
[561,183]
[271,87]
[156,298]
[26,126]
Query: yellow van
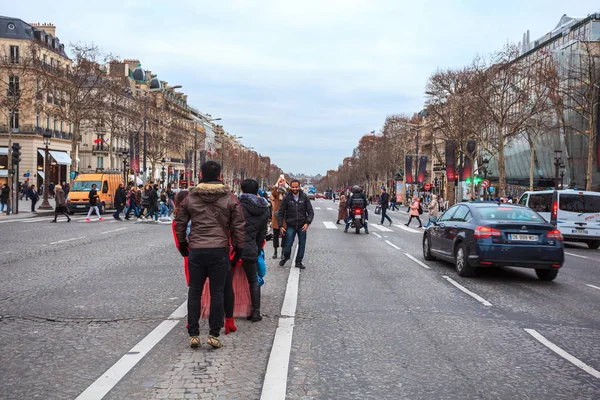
[106,185]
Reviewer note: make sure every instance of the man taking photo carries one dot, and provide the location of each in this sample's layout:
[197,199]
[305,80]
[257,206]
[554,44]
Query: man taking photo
[298,214]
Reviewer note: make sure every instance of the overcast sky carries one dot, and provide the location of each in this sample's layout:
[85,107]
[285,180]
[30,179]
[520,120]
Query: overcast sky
[300,81]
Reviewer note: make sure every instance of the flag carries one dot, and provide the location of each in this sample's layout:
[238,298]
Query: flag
[372,132]
[96,141]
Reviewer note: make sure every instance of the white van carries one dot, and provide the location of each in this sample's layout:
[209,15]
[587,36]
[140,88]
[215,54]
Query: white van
[578,213]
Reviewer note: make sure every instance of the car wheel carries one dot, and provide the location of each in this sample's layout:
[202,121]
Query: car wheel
[462,262]
[546,274]
[427,248]
[357,229]
[101,208]
[594,244]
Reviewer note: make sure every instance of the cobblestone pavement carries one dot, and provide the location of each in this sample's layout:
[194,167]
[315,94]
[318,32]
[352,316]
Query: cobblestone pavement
[371,323]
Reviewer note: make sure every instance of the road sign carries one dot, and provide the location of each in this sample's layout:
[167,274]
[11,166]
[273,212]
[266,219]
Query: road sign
[427,186]
[492,189]
[485,184]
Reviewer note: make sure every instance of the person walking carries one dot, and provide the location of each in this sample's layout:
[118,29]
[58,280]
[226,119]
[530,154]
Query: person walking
[133,203]
[275,206]
[4,195]
[414,211]
[433,209]
[93,196]
[66,188]
[164,209]
[34,196]
[120,199]
[297,212]
[342,210]
[145,202]
[393,202]
[170,200]
[384,202]
[256,213]
[153,208]
[216,219]
[61,203]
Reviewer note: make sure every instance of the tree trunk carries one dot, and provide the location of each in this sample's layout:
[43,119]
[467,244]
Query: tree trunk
[591,150]
[501,165]
[531,161]
[74,146]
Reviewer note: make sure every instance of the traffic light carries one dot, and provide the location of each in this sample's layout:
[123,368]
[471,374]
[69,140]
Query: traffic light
[16,154]
[477,180]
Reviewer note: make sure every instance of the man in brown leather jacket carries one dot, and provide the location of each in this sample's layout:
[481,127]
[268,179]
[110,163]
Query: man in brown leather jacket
[216,217]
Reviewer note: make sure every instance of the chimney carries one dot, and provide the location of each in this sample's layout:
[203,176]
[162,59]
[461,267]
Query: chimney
[48,27]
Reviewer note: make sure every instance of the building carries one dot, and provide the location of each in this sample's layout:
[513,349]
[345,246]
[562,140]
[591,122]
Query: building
[26,111]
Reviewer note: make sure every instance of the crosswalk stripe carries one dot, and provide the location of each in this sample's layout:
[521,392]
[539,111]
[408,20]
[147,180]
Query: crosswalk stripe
[407,229]
[381,228]
[317,208]
[330,209]
[329,225]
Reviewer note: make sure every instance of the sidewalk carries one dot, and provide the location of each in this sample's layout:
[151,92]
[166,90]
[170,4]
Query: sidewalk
[25,210]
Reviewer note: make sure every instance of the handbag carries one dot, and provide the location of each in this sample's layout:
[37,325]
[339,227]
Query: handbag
[420,209]
[378,210]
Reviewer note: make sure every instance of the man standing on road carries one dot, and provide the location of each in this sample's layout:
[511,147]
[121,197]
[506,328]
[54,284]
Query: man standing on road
[34,196]
[217,218]
[120,199]
[4,195]
[298,214]
[93,196]
[384,202]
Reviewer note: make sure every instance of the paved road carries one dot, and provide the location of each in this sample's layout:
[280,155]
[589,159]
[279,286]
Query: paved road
[370,321]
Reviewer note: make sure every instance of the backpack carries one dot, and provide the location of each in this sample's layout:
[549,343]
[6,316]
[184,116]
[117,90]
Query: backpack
[420,209]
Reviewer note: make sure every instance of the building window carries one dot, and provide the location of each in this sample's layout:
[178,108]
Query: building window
[70,128]
[14,119]
[55,124]
[14,54]
[100,162]
[47,122]
[62,126]
[13,85]
[595,34]
[51,62]
[44,59]
[38,120]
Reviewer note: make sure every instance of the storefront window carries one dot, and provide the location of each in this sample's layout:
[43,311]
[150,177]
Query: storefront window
[595,35]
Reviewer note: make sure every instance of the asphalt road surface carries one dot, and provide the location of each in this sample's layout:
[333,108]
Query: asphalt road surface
[95,310]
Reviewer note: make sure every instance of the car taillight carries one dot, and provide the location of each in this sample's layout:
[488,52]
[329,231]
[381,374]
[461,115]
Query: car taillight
[555,235]
[483,232]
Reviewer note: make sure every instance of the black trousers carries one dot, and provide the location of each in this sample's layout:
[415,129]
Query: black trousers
[212,264]
[276,234]
[33,205]
[56,214]
[418,219]
[384,215]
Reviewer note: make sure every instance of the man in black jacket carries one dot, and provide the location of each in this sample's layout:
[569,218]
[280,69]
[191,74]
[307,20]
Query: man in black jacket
[298,214]
[120,199]
[384,202]
[256,211]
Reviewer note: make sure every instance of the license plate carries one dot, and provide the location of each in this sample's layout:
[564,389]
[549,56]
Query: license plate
[80,206]
[357,217]
[524,238]
[580,231]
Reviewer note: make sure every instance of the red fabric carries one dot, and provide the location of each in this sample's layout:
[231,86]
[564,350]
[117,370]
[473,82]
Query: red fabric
[185,259]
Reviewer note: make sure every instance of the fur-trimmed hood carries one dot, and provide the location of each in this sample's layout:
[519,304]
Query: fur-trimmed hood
[210,191]
[253,204]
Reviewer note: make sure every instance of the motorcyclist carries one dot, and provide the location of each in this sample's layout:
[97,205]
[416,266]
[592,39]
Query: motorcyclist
[357,199]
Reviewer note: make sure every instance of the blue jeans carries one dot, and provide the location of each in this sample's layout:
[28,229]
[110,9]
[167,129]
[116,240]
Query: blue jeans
[290,234]
[163,210]
[130,209]
[348,220]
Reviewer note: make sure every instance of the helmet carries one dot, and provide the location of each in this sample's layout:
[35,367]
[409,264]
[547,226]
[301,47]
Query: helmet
[356,189]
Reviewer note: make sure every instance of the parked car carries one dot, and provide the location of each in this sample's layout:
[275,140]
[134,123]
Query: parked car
[311,196]
[487,234]
[577,213]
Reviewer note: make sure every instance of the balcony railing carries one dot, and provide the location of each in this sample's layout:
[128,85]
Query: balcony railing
[99,148]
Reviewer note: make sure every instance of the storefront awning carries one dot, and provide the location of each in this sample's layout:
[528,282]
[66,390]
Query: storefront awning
[3,173]
[3,151]
[61,157]
[41,174]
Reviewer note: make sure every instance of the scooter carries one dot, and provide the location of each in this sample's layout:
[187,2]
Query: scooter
[357,219]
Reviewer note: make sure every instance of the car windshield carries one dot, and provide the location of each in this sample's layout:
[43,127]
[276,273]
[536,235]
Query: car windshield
[84,186]
[508,214]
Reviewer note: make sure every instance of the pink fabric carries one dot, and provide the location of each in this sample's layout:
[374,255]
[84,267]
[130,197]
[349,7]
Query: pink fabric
[241,290]
[414,208]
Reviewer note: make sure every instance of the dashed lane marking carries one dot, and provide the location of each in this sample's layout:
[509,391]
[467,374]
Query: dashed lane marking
[330,209]
[417,261]
[329,225]
[317,208]
[407,229]
[114,230]
[592,286]
[467,291]
[392,244]
[573,360]
[576,255]
[377,234]
[381,228]
[114,374]
[67,240]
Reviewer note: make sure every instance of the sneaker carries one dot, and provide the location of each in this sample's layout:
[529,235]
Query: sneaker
[194,342]
[53,220]
[214,341]
[88,219]
[391,222]
[282,262]
[346,230]
[100,219]
[300,265]
[367,231]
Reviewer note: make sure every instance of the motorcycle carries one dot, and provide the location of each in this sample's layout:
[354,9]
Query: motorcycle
[357,219]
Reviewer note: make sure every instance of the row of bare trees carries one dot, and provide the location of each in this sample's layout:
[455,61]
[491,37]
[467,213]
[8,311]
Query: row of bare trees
[494,101]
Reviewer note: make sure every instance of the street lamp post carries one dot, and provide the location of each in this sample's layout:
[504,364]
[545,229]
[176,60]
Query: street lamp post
[125,156]
[47,135]
[162,174]
[562,175]
[557,163]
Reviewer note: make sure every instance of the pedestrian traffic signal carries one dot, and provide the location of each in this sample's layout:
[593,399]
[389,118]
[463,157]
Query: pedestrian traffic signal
[16,154]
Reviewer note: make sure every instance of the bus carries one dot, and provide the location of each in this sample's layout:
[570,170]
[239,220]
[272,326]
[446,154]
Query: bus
[578,213]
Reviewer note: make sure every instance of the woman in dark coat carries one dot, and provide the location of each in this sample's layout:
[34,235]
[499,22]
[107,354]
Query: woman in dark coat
[343,210]
[61,203]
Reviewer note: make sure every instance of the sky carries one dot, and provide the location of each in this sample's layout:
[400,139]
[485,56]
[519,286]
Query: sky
[301,82]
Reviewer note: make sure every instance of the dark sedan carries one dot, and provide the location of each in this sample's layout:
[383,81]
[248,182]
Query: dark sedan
[487,234]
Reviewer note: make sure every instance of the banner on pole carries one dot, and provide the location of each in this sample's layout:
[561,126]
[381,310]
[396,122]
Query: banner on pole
[408,175]
[399,191]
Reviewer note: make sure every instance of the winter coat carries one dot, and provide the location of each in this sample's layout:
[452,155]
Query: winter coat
[256,212]
[61,200]
[153,201]
[145,198]
[5,194]
[384,201]
[120,198]
[33,195]
[343,211]
[93,196]
[216,217]
[433,208]
[414,208]
[295,213]
[275,205]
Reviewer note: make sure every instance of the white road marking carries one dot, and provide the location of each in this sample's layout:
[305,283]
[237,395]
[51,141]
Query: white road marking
[381,228]
[329,225]
[407,229]
[575,361]
[417,261]
[467,291]
[7,252]
[275,382]
[114,374]
[114,230]
[330,209]
[575,255]
[30,220]
[67,240]
[317,208]
[392,244]
[592,286]
[377,234]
